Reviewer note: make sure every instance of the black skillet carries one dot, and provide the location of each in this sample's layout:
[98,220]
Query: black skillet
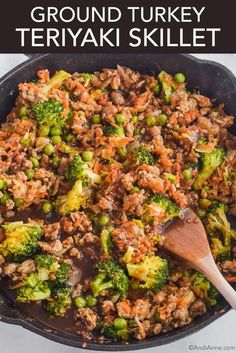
[210,78]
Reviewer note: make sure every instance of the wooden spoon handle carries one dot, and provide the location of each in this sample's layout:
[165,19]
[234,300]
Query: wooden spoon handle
[208,267]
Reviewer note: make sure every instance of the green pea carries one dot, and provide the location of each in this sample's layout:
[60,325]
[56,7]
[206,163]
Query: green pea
[137,131]
[157,317]
[176,127]
[201,213]
[5,197]
[29,173]
[103,220]
[120,119]
[135,189]
[80,302]
[134,284]
[44,130]
[91,301]
[19,202]
[122,152]
[206,188]
[23,111]
[179,77]
[46,207]
[187,174]
[156,89]
[204,203]
[34,161]
[55,161]
[68,137]
[134,119]
[66,149]
[55,131]
[96,119]
[2,184]
[120,323]
[151,121]
[48,149]
[87,156]
[56,140]
[24,117]
[162,119]
[25,141]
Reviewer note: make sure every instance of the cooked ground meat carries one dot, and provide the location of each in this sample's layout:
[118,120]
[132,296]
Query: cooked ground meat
[92,166]
[141,309]
[28,266]
[197,308]
[51,231]
[52,248]
[229,266]
[87,320]
[124,309]
[108,307]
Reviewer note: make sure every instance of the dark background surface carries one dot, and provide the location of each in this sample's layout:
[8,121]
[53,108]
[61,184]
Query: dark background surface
[16,14]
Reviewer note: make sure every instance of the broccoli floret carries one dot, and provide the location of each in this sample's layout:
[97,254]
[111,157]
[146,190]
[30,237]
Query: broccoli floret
[212,296]
[168,86]
[123,334]
[200,285]
[92,177]
[169,176]
[115,131]
[46,262]
[152,272]
[60,302]
[62,275]
[162,207]
[208,162]
[33,289]
[73,200]
[110,276]
[49,277]
[215,204]
[87,78]
[143,156]
[217,224]
[56,80]
[106,242]
[21,240]
[81,170]
[77,171]
[49,269]
[110,332]
[49,113]
[204,289]
[219,251]
[47,266]
[128,254]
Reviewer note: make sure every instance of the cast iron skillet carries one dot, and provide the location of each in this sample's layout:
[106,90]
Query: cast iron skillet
[212,79]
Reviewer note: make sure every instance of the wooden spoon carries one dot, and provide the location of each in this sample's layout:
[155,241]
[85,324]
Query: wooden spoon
[188,240]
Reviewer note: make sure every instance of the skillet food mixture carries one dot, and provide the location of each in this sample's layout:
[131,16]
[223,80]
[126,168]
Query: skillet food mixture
[92,167]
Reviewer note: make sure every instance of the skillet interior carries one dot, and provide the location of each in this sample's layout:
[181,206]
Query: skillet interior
[213,79]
